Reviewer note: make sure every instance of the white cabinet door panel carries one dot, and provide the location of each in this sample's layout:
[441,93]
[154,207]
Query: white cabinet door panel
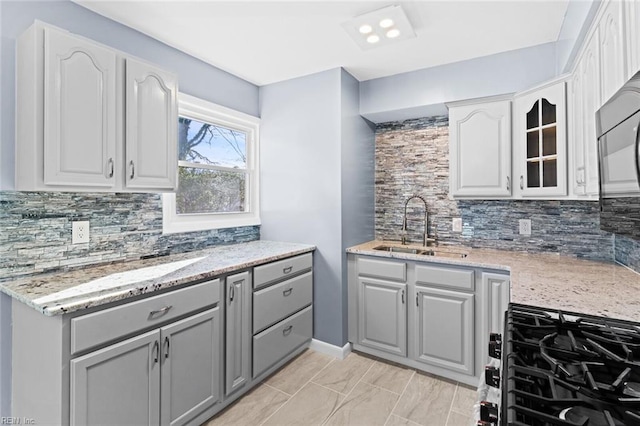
[612,49]
[480,150]
[79,112]
[151,127]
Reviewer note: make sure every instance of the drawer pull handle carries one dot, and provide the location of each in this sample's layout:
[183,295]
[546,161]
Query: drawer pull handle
[285,293]
[232,294]
[287,330]
[287,270]
[160,311]
[403,296]
[156,351]
[521,182]
[110,163]
[133,169]
[167,343]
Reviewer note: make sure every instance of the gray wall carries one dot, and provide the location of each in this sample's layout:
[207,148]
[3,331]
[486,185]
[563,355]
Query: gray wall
[358,166]
[195,77]
[311,139]
[300,182]
[422,93]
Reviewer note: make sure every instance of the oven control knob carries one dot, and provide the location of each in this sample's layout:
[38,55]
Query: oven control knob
[489,412]
[492,376]
[495,349]
[495,337]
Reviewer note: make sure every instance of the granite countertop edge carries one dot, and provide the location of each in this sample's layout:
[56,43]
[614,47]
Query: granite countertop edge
[205,266]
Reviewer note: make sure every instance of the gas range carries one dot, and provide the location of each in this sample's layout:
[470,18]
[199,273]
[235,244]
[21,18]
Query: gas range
[563,368]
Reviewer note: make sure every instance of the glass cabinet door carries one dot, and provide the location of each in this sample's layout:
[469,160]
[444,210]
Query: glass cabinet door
[541,133]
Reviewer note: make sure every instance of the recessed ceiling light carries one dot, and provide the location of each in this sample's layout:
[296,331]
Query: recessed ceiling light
[386,23]
[379,27]
[393,33]
[365,29]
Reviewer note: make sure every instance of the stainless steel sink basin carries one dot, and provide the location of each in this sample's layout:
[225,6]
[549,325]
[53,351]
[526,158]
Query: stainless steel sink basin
[422,252]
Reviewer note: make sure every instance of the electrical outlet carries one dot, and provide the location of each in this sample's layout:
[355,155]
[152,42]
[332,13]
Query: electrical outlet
[80,232]
[525,226]
[456,224]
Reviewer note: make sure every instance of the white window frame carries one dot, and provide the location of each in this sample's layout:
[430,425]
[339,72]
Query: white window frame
[208,112]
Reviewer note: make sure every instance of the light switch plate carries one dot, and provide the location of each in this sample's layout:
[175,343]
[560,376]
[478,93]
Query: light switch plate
[456,224]
[525,226]
[80,232]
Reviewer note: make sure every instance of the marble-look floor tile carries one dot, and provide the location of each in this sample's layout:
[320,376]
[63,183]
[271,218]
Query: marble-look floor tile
[457,419]
[292,377]
[426,400]
[311,406]
[464,399]
[366,405]
[394,420]
[252,408]
[388,376]
[344,374]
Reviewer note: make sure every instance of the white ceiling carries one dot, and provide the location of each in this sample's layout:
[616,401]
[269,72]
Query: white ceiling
[267,41]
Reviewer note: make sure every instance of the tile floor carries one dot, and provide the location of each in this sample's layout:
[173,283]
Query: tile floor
[316,389]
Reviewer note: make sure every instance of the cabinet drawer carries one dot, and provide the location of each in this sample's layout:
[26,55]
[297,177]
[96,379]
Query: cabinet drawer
[276,302]
[266,274]
[276,342]
[382,269]
[100,327]
[462,279]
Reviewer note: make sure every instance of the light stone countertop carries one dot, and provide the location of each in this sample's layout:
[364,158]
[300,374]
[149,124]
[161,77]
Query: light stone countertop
[63,292]
[546,280]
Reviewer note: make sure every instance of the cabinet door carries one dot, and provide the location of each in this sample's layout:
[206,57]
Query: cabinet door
[496,301]
[190,357]
[238,332]
[79,112]
[612,49]
[382,315]
[590,74]
[540,133]
[119,384]
[445,329]
[480,150]
[151,127]
[632,28]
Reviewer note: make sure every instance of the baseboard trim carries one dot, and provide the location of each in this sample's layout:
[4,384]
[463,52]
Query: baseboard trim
[329,349]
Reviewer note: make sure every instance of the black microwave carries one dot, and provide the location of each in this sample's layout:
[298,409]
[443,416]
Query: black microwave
[617,127]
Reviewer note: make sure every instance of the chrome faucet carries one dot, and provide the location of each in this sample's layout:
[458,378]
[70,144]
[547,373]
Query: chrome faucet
[425,235]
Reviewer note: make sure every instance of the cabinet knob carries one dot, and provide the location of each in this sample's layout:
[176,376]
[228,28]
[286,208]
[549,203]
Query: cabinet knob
[287,269]
[287,292]
[521,182]
[287,330]
[508,183]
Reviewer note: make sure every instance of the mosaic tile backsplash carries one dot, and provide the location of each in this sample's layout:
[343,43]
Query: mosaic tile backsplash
[35,231]
[412,157]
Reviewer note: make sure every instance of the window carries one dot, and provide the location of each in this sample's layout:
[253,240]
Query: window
[217,169]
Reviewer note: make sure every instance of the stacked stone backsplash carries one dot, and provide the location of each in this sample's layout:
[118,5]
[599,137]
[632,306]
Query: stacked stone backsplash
[412,157]
[627,252]
[35,231]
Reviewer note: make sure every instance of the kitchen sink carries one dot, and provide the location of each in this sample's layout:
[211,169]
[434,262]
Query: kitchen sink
[422,252]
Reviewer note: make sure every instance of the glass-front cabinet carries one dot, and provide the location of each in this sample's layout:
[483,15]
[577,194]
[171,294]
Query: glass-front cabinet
[540,141]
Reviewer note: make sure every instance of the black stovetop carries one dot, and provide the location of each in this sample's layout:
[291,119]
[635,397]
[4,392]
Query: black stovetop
[564,368]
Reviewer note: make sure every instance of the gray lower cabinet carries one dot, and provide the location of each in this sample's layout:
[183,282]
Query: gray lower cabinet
[382,315]
[165,376]
[430,316]
[238,332]
[444,328]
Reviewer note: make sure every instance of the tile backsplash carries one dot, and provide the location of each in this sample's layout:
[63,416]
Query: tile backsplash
[35,230]
[412,157]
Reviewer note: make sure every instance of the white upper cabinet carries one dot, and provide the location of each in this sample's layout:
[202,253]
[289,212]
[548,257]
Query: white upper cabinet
[540,141]
[632,27]
[77,129]
[612,49]
[480,148]
[151,126]
[80,111]
[584,99]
